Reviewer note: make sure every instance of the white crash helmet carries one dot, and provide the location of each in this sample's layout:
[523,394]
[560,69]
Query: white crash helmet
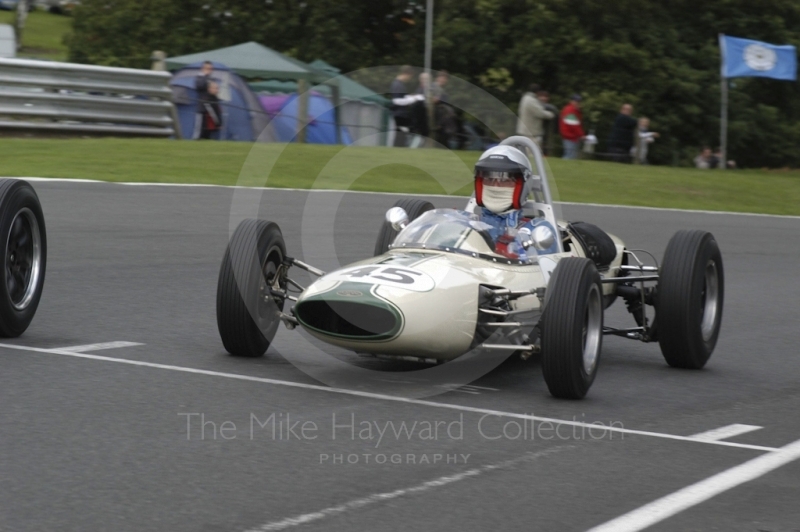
[504,163]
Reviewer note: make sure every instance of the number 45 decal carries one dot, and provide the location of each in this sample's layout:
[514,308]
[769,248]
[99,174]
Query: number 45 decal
[387,275]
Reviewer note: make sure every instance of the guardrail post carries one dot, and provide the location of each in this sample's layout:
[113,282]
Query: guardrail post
[159,60]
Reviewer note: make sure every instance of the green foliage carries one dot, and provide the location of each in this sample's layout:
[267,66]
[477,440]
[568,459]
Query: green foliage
[125,32]
[663,57]
[496,78]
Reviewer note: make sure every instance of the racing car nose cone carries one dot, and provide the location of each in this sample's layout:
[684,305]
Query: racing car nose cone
[350,313]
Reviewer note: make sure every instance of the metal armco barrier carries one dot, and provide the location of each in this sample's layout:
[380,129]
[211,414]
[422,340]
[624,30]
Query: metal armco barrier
[73,99]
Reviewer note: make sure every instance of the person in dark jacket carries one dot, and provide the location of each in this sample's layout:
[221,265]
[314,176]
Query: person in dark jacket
[620,141]
[209,118]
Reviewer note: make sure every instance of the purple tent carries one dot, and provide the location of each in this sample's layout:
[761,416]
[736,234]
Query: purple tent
[321,119]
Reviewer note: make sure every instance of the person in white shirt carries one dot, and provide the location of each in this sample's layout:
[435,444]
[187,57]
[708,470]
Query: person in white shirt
[531,115]
[639,150]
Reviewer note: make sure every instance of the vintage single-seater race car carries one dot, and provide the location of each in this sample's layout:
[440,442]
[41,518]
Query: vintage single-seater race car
[437,288]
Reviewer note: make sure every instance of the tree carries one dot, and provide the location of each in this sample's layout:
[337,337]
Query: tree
[663,57]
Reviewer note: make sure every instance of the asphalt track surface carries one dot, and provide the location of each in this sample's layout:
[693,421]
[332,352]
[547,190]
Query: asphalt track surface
[100,444]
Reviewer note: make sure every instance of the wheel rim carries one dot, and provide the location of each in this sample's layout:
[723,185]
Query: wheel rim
[710,300]
[592,329]
[23,259]
[274,258]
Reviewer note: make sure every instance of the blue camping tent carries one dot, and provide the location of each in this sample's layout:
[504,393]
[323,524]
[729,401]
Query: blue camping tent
[243,118]
[321,127]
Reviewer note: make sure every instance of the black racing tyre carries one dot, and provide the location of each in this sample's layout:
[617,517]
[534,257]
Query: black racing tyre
[23,252]
[414,207]
[247,315]
[572,331]
[691,288]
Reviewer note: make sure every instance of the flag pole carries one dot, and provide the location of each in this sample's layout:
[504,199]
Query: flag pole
[723,119]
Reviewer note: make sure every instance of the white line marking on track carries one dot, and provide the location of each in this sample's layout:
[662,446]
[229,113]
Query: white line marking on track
[499,413]
[97,347]
[723,433]
[381,497]
[404,194]
[693,495]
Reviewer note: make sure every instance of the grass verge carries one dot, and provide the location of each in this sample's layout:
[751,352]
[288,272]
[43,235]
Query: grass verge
[388,170]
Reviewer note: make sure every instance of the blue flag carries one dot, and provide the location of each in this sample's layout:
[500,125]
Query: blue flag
[747,58]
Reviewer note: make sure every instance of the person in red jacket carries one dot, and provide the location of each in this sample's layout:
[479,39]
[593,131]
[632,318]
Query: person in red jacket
[570,125]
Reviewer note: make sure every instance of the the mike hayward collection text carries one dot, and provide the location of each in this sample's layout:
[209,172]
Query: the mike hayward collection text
[285,426]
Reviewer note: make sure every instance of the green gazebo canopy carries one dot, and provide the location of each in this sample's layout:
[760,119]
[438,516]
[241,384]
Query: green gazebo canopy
[253,60]
[348,88]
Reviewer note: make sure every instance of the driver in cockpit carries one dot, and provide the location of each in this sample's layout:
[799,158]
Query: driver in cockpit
[503,177]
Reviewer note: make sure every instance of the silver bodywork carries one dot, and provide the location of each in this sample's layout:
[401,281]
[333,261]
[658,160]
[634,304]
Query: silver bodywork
[437,310]
[440,315]
[438,322]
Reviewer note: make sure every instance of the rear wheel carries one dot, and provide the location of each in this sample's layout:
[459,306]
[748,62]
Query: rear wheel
[691,289]
[572,332]
[414,207]
[248,315]
[23,252]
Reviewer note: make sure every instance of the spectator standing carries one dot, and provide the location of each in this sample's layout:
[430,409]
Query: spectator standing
[401,101]
[620,141]
[645,138]
[446,120]
[718,160]
[570,125]
[208,115]
[441,81]
[419,121]
[705,159]
[532,114]
[549,125]
[212,118]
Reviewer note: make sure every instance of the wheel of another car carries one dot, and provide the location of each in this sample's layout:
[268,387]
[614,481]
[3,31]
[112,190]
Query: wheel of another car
[691,289]
[572,332]
[248,314]
[414,207]
[23,252]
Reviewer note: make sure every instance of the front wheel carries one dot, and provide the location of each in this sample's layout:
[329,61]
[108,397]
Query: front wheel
[248,315]
[23,253]
[691,287]
[572,332]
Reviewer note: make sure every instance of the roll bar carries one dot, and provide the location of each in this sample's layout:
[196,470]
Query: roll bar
[522,143]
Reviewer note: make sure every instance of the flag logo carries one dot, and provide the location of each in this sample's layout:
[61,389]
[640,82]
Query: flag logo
[760,57]
[748,58]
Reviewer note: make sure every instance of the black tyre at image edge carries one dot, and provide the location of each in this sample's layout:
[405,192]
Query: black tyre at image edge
[572,328]
[691,290]
[414,207]
[248,318]
[23,255]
